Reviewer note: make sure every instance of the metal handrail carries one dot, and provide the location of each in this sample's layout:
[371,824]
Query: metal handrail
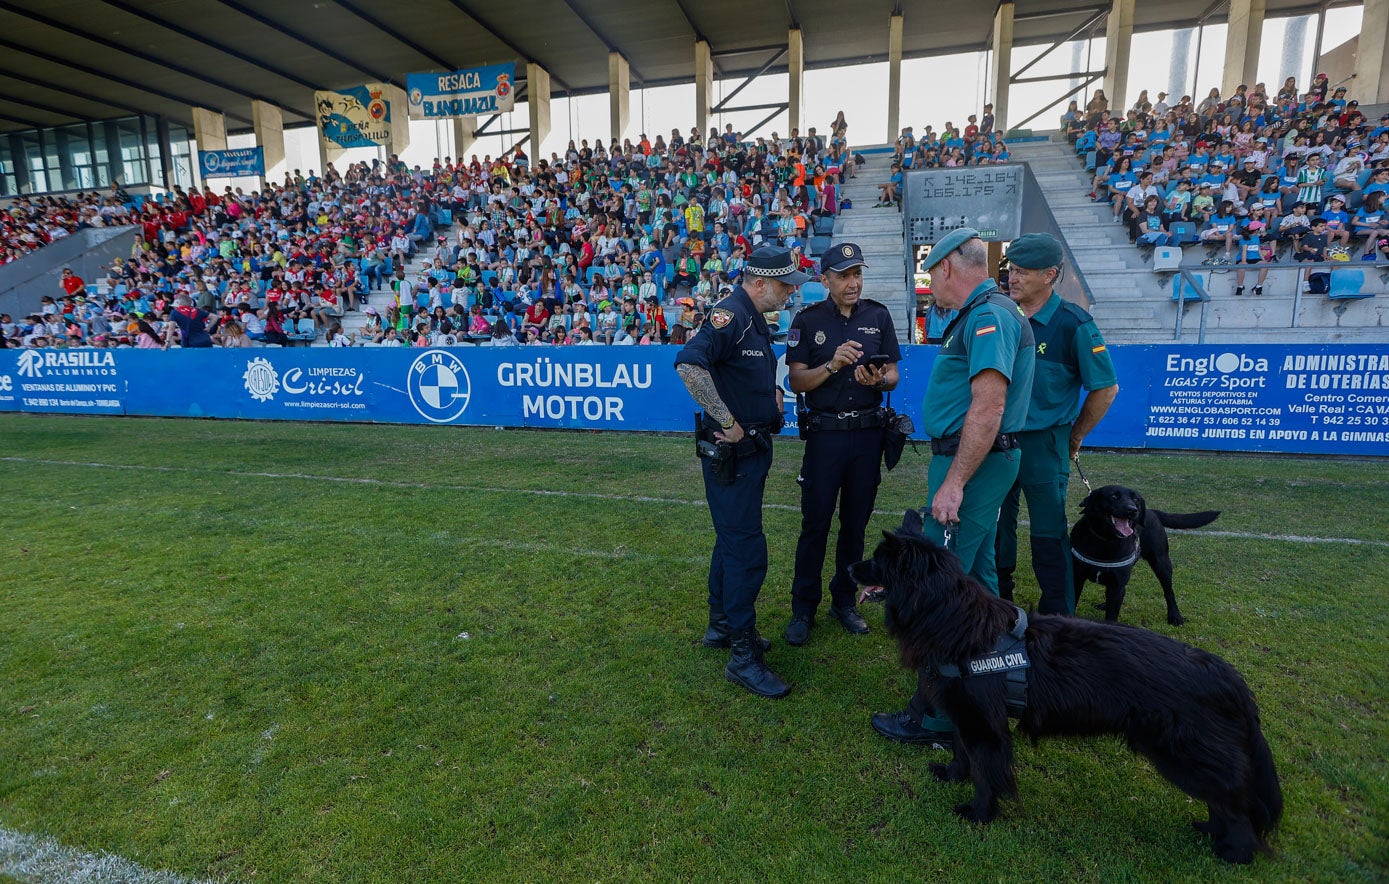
[1189,273]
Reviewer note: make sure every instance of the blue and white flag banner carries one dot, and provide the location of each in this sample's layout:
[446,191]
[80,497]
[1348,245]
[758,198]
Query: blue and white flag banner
[1298,399]
[355,117]
[485,90]
[245,162]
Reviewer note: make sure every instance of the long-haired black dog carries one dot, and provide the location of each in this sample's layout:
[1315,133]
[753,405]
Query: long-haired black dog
[1188,711]
[1115,530]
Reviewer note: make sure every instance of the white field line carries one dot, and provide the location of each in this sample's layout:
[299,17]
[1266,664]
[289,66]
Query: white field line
[39,858]
[593,495]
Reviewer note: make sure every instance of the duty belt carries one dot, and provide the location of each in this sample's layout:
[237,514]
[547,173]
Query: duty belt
[948,445]
[862,419]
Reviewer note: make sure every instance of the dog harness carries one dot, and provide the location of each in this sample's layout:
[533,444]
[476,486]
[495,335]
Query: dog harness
[1009,656]
[1122,563]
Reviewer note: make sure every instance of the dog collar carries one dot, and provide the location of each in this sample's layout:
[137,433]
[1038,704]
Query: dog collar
[1122,563]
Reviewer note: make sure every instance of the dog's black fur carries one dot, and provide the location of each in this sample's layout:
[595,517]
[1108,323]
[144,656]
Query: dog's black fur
[1189,712]
[1113,518]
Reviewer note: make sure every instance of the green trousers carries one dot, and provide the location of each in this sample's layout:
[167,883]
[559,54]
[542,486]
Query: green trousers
[1043,476]
[973,539]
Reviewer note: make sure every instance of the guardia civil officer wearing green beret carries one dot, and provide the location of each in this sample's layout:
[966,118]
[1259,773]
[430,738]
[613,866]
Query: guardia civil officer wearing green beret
[976,402]
[1071,356]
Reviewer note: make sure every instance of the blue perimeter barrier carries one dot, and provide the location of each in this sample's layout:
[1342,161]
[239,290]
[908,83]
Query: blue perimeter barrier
[1303,399]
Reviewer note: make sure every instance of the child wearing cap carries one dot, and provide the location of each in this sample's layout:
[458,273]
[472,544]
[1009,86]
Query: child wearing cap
[1223,228]
[1253,250]
[1202,204]
[1337,221]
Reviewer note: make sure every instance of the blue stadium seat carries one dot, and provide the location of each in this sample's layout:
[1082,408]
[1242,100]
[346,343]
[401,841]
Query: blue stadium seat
[813,293]
[818,245]
[824,225]
[489,278]
[1187,290]
[1182,232]
[1345,285]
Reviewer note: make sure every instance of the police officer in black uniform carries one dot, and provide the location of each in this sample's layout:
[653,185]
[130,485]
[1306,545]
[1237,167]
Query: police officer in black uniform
[841,354]
[729,368]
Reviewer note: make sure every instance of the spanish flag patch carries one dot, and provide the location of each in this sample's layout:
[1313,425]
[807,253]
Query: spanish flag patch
[986,330]
[1099,349]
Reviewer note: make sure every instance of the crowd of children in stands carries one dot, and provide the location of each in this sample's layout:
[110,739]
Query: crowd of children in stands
[977,144]
[585,247]
[30,223]
[1250,174]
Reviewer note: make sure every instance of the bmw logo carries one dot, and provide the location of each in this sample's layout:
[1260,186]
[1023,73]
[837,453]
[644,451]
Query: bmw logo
[438,386]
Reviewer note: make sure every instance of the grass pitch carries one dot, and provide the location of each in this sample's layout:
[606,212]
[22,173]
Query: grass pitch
[288,652]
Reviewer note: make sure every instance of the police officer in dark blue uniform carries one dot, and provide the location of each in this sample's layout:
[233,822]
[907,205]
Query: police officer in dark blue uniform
[841,354]
[729,368]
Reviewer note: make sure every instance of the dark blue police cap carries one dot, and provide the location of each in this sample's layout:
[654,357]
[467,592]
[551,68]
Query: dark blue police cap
[842,257]
[775,262]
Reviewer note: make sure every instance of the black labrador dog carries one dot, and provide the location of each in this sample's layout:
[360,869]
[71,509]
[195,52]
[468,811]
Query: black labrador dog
[1188,711]
[1115,530]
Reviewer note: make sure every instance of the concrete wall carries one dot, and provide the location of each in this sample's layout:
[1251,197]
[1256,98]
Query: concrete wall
[1339,63]
[1037,218]
[88,252]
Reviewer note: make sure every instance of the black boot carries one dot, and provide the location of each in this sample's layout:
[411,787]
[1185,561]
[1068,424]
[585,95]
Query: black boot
[716,636]
[1005,585]
[746,668]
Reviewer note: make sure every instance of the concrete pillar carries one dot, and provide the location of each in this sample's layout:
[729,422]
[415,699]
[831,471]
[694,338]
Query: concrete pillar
[1371,73]
[1001,63]
[619,95]
[795,54]
[269,124]
[538,97]
[464,136]
[1118,43]
[894,78]
[704,86]
[209,129]
[400,119]
[1242,40]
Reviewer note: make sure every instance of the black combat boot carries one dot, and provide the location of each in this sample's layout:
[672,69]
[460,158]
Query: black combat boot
[746,668]
[716,636]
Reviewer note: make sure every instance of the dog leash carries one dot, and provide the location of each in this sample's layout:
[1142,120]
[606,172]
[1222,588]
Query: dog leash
[1081,473]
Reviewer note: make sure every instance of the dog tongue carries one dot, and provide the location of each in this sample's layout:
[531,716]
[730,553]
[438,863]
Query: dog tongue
[1123,526]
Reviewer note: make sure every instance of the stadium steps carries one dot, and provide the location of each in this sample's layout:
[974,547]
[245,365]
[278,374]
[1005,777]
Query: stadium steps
[879,233]
[1134,305]
[354,322]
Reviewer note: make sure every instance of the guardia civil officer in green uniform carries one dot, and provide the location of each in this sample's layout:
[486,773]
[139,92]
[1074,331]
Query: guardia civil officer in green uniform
[1071,356]
[976,402]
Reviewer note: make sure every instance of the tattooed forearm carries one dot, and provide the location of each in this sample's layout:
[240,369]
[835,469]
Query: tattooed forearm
[701,386]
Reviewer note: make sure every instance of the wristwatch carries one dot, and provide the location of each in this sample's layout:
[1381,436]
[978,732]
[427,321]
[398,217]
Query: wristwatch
[829,369]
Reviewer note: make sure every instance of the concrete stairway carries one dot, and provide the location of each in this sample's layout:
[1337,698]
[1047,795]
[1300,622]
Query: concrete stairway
[879,233]
[1134,304]
[353,322]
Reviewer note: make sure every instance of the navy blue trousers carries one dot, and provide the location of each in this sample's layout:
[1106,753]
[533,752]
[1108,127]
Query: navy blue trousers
[739,563]
[841,468]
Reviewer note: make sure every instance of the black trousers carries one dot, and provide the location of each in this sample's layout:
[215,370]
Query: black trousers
[840,467]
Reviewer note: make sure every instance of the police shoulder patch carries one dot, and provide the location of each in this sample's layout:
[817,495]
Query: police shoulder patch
[793,337]
[720,317]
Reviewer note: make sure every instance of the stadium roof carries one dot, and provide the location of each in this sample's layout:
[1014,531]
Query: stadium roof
[71,60]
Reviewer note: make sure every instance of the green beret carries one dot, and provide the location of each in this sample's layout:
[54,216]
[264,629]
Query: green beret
[953,240]
[1035,251]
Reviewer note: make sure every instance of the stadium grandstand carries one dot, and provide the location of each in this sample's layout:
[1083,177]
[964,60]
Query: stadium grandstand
[534,231]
